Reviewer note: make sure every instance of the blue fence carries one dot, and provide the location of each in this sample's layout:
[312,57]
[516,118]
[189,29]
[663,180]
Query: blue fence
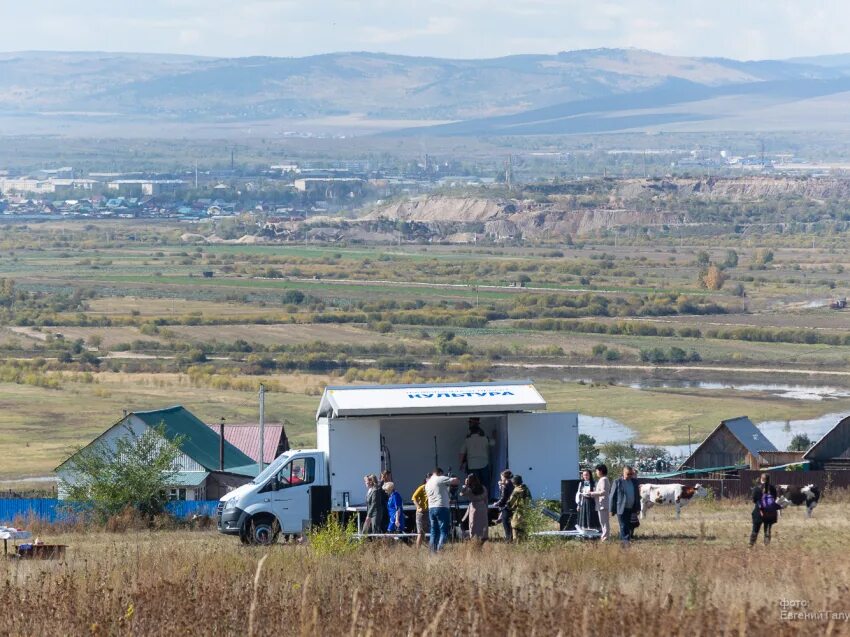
[52,510]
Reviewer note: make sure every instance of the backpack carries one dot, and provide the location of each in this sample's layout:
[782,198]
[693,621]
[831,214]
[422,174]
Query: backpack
[768,505]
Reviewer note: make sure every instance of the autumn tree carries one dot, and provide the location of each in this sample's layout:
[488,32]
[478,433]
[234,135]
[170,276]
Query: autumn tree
[712,278]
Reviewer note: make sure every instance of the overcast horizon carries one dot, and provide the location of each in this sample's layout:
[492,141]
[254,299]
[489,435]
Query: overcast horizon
[761,29]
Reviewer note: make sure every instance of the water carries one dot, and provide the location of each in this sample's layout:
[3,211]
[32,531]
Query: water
[792,392]
[604,429]
[780,432]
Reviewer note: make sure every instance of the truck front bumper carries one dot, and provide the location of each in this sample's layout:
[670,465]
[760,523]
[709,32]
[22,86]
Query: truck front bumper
[230,521]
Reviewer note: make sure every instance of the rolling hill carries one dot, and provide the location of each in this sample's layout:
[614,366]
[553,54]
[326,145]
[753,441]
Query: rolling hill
[579,91]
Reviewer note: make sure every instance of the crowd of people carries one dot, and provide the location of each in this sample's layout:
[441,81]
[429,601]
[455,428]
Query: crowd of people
[433,500]
[596,499]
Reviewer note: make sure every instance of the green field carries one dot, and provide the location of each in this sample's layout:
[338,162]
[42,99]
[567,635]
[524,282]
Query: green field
[126,304]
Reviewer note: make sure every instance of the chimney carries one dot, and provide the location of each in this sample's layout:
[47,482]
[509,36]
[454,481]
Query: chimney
[221,444]
[125,412]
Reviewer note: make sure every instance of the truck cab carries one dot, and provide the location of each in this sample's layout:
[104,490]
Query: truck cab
[278,500]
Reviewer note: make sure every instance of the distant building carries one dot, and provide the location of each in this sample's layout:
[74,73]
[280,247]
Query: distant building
[832,451]
[65,187]
[286,168]
[26,184]
[207,466]
[736,441]
[149,187]
[329,187]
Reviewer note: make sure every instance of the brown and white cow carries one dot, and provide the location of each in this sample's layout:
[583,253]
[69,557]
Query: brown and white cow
[808,495]
[677,494]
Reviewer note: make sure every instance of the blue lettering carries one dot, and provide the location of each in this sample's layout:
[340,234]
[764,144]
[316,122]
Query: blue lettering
[468,394]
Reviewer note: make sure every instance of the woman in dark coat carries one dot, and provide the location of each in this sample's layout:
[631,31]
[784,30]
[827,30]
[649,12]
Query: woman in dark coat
[765,509]
[375,506]
[506,487]
[588,518]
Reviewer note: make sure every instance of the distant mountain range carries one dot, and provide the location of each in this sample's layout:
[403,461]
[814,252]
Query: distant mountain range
[601,90]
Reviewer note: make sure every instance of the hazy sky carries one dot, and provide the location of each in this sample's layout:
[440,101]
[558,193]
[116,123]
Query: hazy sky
[743,29]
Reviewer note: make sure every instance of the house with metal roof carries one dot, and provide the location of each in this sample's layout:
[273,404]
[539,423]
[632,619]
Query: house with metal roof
[207,466]
[735,441]
[246,438]
[832,451]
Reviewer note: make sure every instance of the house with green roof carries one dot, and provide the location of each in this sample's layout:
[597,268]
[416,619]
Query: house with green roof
[207,467]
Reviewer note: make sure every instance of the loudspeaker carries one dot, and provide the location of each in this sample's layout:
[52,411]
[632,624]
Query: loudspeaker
[320,504]
[568,495]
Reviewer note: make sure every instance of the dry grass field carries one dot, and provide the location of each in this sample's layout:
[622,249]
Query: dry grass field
[694,576]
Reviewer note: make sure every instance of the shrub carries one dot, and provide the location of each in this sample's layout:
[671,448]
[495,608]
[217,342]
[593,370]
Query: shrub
[332,538]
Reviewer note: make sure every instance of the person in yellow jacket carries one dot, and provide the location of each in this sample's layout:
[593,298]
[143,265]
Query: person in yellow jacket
[423,524]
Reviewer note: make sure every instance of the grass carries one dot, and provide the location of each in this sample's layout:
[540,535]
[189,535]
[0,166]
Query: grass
[689,577]
[39,427]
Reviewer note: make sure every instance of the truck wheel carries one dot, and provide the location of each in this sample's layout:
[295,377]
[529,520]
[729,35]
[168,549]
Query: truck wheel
[262,530]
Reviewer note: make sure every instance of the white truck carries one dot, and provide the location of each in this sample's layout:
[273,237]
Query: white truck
[408,429]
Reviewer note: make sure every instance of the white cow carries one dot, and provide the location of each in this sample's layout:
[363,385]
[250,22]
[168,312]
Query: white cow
[677,494]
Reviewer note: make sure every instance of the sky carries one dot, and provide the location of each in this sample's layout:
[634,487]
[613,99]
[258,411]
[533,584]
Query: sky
[740,29]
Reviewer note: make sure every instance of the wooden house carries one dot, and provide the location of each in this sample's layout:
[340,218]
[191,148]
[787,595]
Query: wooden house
[733,442]
[207,466]
[832,451]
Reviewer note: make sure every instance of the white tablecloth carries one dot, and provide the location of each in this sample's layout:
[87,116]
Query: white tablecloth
[10,533]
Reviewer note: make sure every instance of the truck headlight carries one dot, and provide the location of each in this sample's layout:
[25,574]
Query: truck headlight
[230,504]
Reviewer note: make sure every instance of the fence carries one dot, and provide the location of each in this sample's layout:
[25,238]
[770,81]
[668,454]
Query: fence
[52,510]
[741,485]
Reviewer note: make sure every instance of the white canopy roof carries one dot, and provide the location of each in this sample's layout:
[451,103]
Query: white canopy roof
[385,400]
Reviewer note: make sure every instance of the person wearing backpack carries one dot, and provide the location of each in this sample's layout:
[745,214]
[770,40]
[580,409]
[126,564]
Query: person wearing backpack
[766,509]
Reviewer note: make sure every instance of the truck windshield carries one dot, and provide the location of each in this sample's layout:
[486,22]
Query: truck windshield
[273,468]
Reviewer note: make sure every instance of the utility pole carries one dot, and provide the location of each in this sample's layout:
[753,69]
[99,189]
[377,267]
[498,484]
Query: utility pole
[262,427]
[689,441]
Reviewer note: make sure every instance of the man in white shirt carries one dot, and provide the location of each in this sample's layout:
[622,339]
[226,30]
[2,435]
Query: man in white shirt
[437,490]
[475,452]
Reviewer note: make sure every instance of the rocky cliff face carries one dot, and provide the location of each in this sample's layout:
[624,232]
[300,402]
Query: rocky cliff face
[519,219]
[735,189]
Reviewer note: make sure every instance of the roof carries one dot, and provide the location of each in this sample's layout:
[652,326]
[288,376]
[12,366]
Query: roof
[246,438]
[749,435]
[188,478]
[385,400]
[249,470]
[199,442]
[823,438]
[805,464]
[694,472]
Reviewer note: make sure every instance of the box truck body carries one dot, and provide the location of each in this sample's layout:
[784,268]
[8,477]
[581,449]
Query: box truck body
[409,430]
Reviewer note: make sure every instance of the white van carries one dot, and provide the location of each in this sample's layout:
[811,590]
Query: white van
[408,429]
